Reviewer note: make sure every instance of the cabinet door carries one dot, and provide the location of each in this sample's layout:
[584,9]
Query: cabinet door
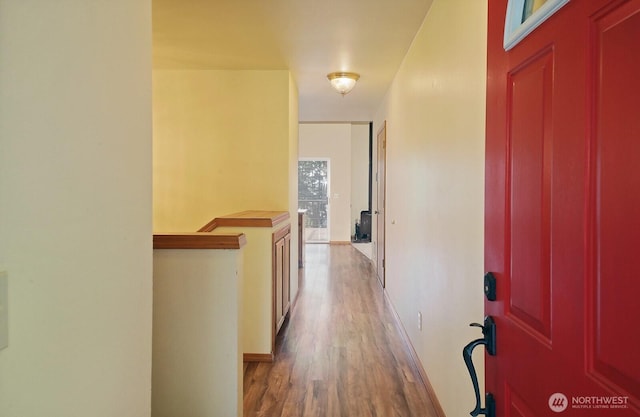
[286,274]
[279,279]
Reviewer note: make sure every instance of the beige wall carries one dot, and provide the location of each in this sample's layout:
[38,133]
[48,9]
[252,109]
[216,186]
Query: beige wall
[332,141]
[75,207]
[435,169]
[197,342]
[221,144]
[224,141]
[293,183]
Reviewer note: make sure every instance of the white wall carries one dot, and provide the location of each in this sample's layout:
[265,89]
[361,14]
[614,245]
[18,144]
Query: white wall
[332,141]
[435,111]
[359,171]
[75,207]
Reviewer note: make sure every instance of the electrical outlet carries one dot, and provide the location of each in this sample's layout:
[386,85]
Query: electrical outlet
[419,320]
[4,310]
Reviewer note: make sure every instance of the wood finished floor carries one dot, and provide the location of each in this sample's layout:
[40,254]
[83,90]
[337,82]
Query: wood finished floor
[340,354]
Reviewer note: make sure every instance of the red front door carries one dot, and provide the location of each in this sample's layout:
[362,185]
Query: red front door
[562,212]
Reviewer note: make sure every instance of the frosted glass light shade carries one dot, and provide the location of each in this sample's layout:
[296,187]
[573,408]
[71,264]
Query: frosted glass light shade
[343,82]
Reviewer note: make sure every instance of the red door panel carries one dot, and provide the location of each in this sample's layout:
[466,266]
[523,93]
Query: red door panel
[529,93]
[616,33]
[562,212]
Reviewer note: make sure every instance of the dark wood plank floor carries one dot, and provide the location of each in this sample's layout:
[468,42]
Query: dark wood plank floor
[341,353]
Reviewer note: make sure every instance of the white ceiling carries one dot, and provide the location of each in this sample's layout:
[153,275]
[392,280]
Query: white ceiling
[308,37]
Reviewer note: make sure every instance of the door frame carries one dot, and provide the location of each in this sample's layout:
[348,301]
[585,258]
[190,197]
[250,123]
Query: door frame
[381,180]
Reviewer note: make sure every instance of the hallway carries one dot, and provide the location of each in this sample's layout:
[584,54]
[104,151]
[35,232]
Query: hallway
[341,354]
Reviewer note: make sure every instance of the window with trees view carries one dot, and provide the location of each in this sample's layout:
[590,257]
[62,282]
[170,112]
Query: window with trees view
[313,191]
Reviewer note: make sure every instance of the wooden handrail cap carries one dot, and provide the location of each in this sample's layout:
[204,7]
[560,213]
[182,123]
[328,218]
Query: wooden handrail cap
[198,240]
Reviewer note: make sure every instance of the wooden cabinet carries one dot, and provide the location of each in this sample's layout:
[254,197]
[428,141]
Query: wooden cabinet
[281,276]
[266,270]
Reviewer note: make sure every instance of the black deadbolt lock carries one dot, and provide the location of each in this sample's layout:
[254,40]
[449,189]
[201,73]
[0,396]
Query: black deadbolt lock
[490,286]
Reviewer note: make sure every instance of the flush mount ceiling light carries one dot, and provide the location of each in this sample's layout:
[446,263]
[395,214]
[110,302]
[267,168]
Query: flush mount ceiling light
[343,82]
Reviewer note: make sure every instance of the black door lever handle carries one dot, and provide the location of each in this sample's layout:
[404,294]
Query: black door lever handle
[489,341]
